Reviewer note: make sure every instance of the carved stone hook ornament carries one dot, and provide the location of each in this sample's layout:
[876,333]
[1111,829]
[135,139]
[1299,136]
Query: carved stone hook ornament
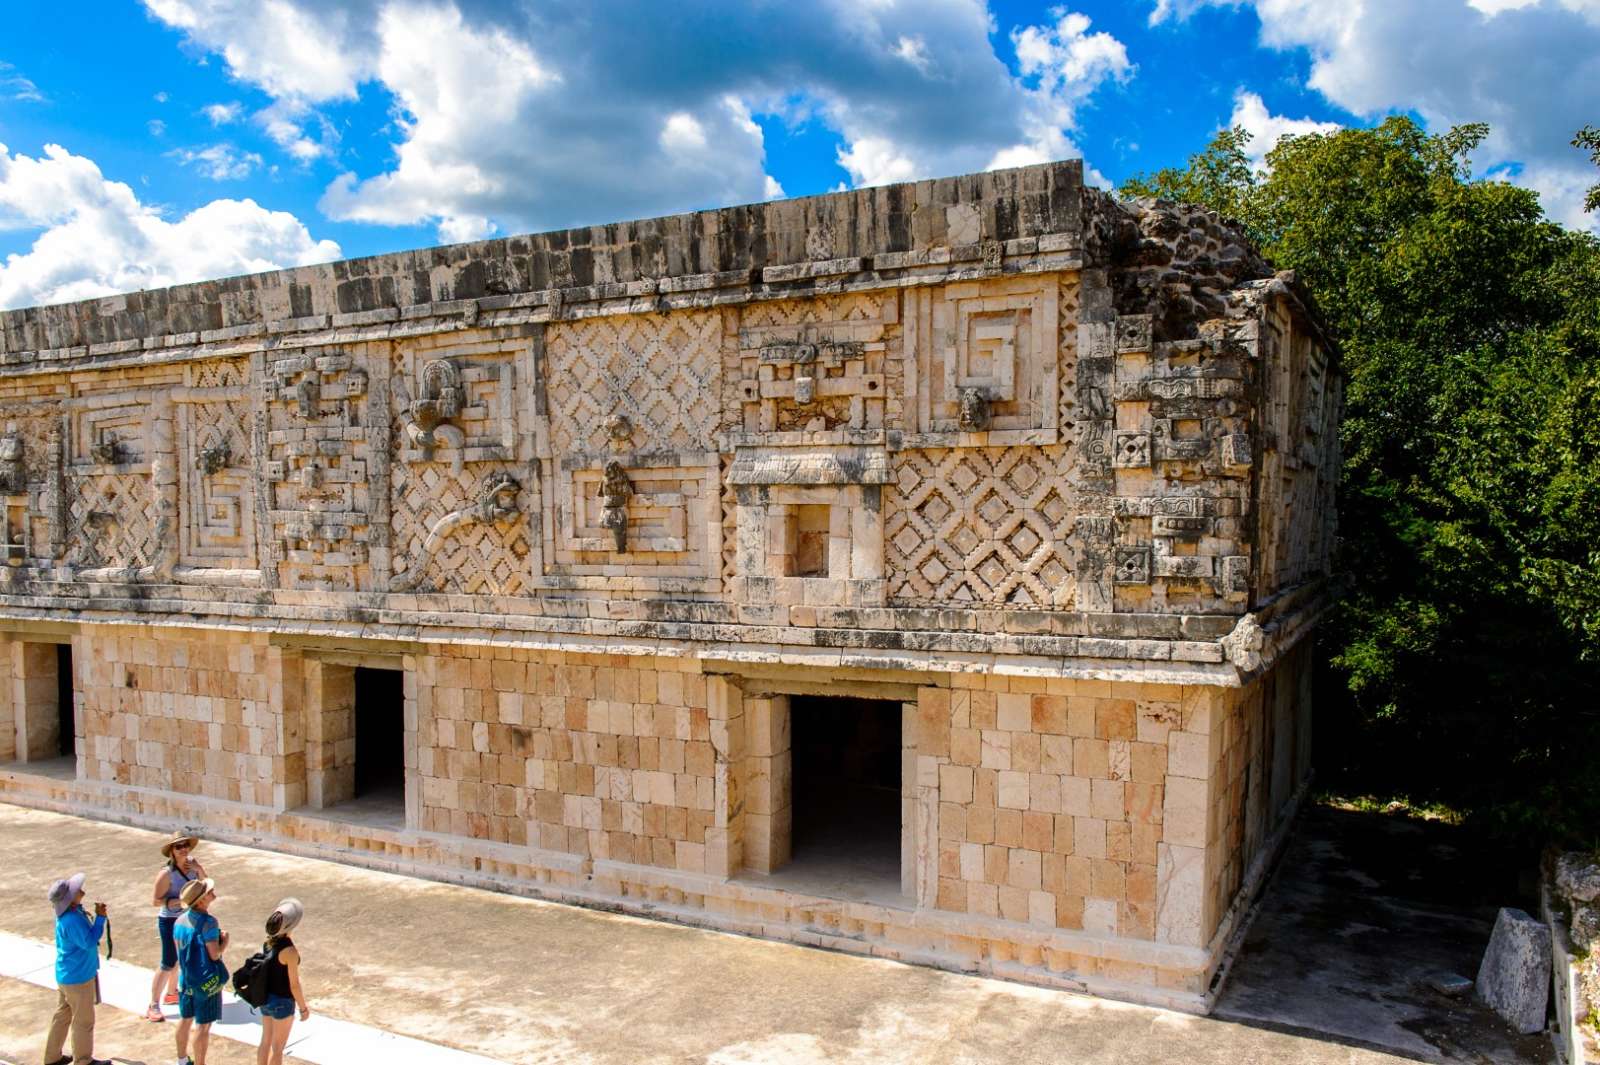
[614,493]
[496,502]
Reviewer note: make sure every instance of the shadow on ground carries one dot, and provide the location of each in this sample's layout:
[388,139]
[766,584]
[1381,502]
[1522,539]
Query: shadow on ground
[1365,912]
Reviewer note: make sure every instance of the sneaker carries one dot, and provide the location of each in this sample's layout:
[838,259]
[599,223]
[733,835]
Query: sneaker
[170,998]
[154,1013]
[185,1061]
[65,1059]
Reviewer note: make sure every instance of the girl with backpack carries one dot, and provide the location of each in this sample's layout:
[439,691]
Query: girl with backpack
[282,971]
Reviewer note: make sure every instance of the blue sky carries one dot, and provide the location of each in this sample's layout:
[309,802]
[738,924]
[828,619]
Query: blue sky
[149,143]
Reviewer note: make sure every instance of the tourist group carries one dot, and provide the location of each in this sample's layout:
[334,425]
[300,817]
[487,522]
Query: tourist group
[192,972]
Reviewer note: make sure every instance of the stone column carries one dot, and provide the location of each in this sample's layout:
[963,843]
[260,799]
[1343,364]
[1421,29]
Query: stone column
[769,798]
[725,838]
[286,696]
[330,694]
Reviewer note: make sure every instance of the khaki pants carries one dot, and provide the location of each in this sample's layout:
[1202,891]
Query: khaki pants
[76,1010]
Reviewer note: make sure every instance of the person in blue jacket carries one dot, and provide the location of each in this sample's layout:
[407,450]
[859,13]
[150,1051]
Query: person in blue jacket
[77,964]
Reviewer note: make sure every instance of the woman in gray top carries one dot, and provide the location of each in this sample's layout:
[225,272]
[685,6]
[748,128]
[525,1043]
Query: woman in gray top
[181,868]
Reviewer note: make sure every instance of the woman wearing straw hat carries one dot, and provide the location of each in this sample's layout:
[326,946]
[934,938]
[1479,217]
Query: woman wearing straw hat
[181,868]
[283,983]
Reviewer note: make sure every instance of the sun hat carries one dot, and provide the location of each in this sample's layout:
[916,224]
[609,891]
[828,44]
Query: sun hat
[195,890]
[288,912]
[178,838]
[62,892]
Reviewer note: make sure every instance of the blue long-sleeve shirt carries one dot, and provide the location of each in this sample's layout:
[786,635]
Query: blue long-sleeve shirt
[78,946]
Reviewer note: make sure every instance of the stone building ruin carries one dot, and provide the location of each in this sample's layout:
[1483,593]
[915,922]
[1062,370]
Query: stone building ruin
[922,571]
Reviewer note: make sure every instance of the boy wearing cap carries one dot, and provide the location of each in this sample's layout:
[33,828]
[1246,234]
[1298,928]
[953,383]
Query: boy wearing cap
[200,942]
[77,964]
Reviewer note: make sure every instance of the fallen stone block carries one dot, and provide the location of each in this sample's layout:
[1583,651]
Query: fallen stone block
[1514,979]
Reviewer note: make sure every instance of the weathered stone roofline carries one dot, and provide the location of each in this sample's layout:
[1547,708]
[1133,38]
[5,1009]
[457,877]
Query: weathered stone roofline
[791,244]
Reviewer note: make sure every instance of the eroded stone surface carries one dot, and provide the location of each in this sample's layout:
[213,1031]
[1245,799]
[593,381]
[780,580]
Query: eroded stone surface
[1514,978]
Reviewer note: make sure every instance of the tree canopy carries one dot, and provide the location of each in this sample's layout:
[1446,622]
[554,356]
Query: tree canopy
[1463,664]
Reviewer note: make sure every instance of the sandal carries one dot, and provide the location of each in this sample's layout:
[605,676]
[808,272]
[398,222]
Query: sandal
[154,1013]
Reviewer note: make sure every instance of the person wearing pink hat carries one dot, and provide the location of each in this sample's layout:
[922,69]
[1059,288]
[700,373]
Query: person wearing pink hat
[77,969]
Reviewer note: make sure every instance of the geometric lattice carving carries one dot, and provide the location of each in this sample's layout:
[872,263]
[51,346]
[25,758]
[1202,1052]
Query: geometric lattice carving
[476,557]
[658,370]
[979,525]
[114,517]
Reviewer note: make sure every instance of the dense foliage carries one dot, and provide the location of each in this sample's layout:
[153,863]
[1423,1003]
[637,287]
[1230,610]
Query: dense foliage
[1463,665]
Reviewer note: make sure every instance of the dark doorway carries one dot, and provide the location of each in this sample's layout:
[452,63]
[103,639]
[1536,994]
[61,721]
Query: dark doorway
[380,734]
[65,701]
[845,764]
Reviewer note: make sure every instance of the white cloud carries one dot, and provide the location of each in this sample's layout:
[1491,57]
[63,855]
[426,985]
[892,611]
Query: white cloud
[97,238]
[284,122]
[531,116]
[1529,68]
[219,162]
[223,114]
[161,97]
[13,86]
[156,127]
[1265,128]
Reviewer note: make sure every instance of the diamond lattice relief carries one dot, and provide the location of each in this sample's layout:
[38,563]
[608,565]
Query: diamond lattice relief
[481,558]
[978,525]
[660,371]
[117,518]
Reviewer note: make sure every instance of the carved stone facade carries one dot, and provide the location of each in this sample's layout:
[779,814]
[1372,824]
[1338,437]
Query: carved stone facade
[1047,475]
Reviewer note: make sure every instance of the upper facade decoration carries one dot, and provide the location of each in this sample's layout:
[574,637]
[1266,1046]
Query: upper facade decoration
[1003,406]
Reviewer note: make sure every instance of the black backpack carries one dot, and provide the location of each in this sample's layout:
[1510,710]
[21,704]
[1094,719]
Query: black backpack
[250,979]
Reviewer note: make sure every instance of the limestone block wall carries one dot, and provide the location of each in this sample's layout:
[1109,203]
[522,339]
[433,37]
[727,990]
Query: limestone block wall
[599,757]
[189,713]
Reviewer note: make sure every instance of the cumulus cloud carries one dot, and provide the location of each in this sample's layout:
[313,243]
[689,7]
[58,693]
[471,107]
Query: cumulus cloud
[582,111]
[1265,128]
[219,162]
[96,238]
[1529,68]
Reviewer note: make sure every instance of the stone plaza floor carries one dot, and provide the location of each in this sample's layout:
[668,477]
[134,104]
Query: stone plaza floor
[517,980]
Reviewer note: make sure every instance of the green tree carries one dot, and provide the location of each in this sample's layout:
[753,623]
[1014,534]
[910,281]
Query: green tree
[1464,662]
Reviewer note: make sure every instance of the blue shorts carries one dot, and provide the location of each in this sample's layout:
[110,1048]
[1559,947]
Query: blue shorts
[278,1007]
[169,946]
[202,1009]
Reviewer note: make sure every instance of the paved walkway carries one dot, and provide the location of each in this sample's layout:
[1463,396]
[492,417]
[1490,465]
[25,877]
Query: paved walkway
[529,982]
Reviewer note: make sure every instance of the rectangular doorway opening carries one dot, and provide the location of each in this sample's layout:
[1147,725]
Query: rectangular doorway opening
[65,703]
[845,768]
[380,750]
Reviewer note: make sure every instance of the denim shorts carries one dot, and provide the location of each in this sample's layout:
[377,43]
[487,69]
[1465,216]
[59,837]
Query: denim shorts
[278,1007]
[169,946]
[202,1009]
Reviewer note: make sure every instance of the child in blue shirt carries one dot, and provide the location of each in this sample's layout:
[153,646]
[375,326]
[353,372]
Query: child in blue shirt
[200,941]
